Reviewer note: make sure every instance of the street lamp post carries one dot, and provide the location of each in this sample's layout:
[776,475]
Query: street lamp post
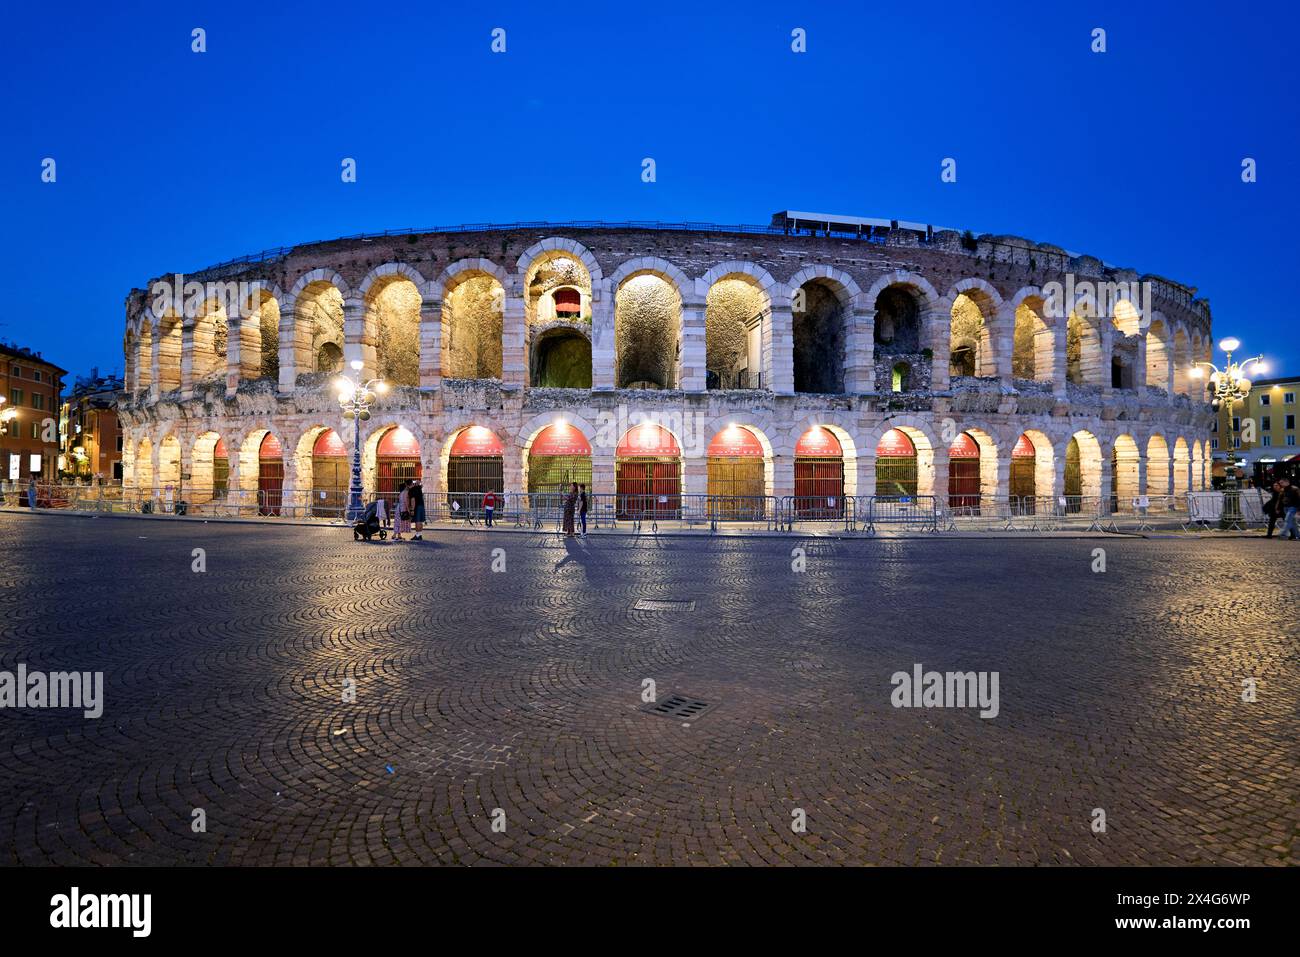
[1228,386]
[355,399]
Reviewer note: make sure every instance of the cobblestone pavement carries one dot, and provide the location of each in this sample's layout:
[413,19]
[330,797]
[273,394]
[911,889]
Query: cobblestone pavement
[522,691]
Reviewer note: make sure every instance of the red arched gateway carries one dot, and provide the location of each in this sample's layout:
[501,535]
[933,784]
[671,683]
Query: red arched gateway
[648,471]
[331,474]
[736,478]
[475,465]
[559,456]
[270,475]
[220,470]
[964,473]
[397,460]
[818,474]
[895,465]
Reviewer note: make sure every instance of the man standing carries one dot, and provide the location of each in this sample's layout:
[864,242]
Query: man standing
[417,509]
[1290,504]
[31,493]
[489,506]
[582,508]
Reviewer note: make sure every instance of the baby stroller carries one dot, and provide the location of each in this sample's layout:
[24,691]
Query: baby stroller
[369,524]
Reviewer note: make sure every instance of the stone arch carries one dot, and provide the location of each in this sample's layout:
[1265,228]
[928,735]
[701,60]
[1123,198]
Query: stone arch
[737,308]
[510,452]
[560,357]
[203,466]
[392,304]
[560,244]
[1199,468]
[719,423]
[144,356]
[851,451]
[1159,474]
[822,302]
[648,318]
[209,342]
[1044,470]
[1083,468]
[1158,348]
[259,333]
[973,309]
[472,317]
[312,317]
[904,307]
[169,461]
[929,453]
[777,293]
[989,445]
[528,434]
[1083,350]
[168,336]
[1033,337]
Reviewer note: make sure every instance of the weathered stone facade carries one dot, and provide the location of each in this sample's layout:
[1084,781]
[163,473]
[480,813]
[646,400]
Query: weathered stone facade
[932,335]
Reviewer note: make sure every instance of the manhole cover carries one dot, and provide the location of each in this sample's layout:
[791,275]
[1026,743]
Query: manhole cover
[663,604]
[679,707]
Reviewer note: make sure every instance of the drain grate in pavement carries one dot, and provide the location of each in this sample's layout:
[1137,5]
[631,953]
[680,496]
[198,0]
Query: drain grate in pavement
[679,707]
[663,604]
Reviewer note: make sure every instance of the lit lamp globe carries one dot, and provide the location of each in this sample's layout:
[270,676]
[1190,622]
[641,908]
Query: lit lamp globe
[1243,385]
[1230,344]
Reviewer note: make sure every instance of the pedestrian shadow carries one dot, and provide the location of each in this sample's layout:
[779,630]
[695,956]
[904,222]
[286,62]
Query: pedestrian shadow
[575,552]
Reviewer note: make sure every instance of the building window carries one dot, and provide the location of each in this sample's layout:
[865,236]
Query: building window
[1236,443]
[119,443]
[1263,399]
[1288,397]
[1236,423]
[1265,423]
[1215,427]
[15,397]
[36,375]
[1290,440]
[1214,444]
[1268,440]
[36,430]
[38,401]
[117,471]
[35,462]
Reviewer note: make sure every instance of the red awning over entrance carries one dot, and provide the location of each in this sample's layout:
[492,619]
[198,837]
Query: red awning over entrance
[399,443]
[270,447]
[329,443]
[818,443]
[1024,448]
[647,439]
[560,439]
[736,441]
[963,447]
[219,450]
[895,443]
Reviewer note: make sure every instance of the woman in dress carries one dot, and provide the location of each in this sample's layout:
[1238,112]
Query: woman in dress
[570,501]
[402,518]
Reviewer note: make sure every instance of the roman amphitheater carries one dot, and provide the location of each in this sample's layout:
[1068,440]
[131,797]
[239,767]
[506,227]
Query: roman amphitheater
[816,358]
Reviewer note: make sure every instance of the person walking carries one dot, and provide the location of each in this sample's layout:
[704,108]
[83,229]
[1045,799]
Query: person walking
[417,509]
[31,493]
[1273,508]
[489,507]
[570,502]
[582,507]
[402,513]
[1290,505]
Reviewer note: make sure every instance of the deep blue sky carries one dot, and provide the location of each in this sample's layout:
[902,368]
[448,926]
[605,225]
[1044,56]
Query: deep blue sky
[170,160]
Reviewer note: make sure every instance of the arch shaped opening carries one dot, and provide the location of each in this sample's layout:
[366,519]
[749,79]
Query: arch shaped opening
[733,333]
[1158,466]
[970,344]
[169,353]
[1182,483]
[475,466]
[820,332]
[1032,342]
[209,343]
[897,475]
[558,456]
[648,472]
[473,318]
[965,480]
[561,359]
[1158,355]
[144,357]
[1182,361]
[209,469]
[737,479]
[897,328]
[818,474]
[266,327]
[1082,471]
[558,288]
[647,332]
[270,475]
[393,318]
[331,473]
[144,466]
[319,318]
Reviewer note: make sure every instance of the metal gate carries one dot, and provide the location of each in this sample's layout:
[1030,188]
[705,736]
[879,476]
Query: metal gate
[555,473]
[818,487]
[736,488]
[963,483]
[648,487]
[896,476]
[330,477]
[391,472]
[270,486]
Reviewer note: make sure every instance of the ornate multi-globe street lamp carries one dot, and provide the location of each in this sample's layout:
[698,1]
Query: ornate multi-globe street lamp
[1228,386]
[355,398]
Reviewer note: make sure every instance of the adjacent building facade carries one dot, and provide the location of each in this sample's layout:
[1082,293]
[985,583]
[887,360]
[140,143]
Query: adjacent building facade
[1260,428]
[838,357]
[29,415]
[92,434]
